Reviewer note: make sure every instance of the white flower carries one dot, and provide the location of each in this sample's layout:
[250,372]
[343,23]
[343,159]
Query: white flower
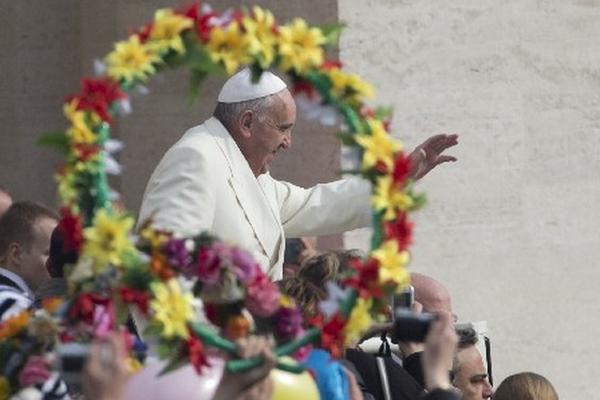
[335,295]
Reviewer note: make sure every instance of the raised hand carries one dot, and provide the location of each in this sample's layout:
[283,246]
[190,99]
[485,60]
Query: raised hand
[428,154]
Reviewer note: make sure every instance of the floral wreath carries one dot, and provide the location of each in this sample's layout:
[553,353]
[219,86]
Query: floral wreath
[116,270]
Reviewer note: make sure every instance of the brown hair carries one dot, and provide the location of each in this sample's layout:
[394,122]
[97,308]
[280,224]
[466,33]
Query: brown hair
[525,386]
[17,224]
[307,288]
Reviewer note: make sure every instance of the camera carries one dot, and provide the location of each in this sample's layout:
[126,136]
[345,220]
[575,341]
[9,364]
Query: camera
[72,358]
[411,327]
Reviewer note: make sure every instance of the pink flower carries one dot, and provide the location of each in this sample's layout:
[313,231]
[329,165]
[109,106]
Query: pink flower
[208,264]
[34,372]
[262,295]
[244,265]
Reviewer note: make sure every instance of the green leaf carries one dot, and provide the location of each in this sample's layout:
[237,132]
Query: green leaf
[346,138]
[332,32]
[383,113]
[196,80]
[57,140]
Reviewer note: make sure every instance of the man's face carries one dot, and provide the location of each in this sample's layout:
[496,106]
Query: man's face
[273,130]
[33,260]
[471,376]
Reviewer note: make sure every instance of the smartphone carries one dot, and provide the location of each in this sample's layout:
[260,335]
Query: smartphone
[72,358]
[404,299]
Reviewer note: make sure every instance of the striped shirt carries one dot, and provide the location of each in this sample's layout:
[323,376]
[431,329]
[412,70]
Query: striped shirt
[15,295]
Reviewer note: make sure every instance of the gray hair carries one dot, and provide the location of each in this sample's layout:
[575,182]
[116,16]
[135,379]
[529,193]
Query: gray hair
[227,113]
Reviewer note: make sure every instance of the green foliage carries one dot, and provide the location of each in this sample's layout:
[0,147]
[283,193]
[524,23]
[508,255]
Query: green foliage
[55,140]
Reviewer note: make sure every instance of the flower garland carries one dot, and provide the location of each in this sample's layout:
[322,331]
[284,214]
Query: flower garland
[115,270]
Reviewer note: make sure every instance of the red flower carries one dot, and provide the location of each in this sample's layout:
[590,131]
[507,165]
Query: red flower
[143,33]
[365,279]
[331,64]
[201,21]
[72,231]
[137,297]
[401,169]
[195,350]
[331,333]
[97,95]
[84,152]
[401,230]
[82,309]
[303,86]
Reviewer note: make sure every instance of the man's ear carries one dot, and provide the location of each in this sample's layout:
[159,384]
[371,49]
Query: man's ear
[14,254]
[246,120]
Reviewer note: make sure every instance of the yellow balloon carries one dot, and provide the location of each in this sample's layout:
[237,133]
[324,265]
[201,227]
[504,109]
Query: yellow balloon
[289,386]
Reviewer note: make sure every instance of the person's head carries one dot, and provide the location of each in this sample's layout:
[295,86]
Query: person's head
[5,200]
[262,125]
[525,386]
[306,295]
[25,231]
[431,294]
[308,287]
[296,251]
[468,371]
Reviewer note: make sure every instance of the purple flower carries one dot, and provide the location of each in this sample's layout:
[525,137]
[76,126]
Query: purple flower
[176,253]
[262,295]
[288,323]
[243,264]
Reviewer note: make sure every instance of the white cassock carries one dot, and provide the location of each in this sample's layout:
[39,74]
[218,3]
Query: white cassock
[204,183]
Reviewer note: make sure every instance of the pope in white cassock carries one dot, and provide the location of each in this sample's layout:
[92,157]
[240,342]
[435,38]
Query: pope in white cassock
[216,179]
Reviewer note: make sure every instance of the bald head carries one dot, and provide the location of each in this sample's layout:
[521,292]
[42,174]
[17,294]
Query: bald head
[5,200]
[431,294]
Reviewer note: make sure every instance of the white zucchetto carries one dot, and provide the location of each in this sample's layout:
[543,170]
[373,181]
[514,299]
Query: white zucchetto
[241,88]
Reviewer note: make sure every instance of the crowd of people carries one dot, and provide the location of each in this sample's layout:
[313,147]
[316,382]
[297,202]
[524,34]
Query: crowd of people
[216,179]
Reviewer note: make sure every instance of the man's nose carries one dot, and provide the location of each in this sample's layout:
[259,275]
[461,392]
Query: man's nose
[287,141]
[488,390]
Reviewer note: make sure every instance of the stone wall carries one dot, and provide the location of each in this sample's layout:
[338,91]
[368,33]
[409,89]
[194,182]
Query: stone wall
[512,228]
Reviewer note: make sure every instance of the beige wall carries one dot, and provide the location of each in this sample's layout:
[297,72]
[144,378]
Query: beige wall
[48,45]
[512,228]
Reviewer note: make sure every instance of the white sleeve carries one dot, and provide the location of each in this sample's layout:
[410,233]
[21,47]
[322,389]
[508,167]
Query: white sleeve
[180,194]
[324,209]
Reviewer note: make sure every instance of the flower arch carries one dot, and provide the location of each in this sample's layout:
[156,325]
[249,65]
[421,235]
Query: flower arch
[116,269]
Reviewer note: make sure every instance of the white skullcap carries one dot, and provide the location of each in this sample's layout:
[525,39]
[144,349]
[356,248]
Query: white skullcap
[241,88]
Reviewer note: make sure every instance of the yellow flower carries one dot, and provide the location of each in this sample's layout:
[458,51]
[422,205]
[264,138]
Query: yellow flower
[392,263]
[66,186]
[286,302]
[131,60]
[166,31]
[228,46]
[172,309]
[132,365]
[359,321]
[80,131]
[349,86]
[261,35]
[379,146]
[14,324]
[154,237]
[390,197]
[4,388]
[107,239]
[300,46]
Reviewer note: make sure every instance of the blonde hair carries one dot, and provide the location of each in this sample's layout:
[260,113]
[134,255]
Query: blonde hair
[525,386]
